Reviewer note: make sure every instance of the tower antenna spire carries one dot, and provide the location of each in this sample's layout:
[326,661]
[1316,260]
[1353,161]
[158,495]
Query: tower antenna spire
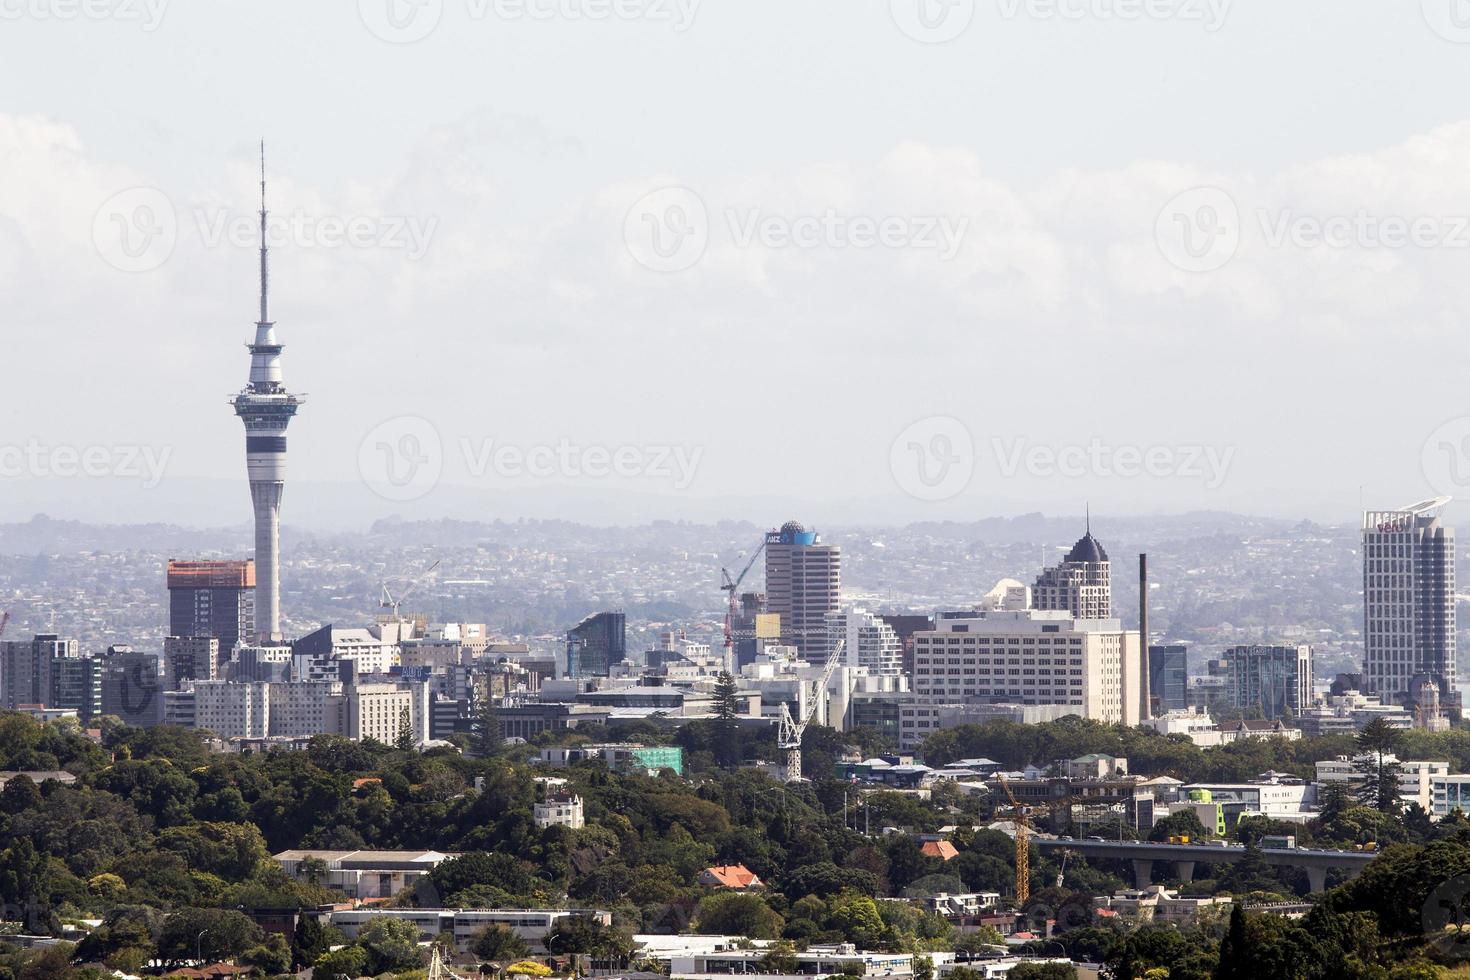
[1088,507]
[264,249]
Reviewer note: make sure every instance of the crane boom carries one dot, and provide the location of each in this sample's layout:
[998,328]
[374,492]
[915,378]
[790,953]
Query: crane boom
[789,732]
[1023,844]
[732,586]
[390,601]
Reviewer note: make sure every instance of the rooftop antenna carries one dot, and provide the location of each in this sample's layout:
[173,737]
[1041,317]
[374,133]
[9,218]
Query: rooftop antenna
[1088,508]
[264,267]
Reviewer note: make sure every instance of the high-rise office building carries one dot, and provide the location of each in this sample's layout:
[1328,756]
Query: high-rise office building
[597,643]
[1168,677]
[192,658]
[1081,584]
[803,586]
[871,643]
[212,598]
[1275,679]
[26,668]
[1409,605]
[1029,657]
[266,408]
[76,683]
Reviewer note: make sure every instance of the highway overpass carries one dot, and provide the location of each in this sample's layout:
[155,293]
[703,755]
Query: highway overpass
[1184,857]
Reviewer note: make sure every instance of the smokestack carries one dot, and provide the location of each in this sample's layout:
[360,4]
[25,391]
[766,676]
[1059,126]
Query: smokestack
[1145,706]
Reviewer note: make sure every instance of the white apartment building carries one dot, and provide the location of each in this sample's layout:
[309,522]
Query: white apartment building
[532,925]
[1416,778]
[1273,799]
[233,710]
[306,708]
[378,711]
[560,810]
[871,643]
[364,874]
[1030,657]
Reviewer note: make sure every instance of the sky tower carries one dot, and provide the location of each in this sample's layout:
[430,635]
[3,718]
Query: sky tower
[266,408]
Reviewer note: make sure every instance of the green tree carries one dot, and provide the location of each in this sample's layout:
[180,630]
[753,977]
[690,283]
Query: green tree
[498,944]
[488,740]
[1378,742]
[210,934]
[311,940]
[403,741]
[348,961]
[727,725]
[739,914]
[391,945]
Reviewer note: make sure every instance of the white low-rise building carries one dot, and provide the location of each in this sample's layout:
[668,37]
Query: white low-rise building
[532,925]
[362,874]
[560,810]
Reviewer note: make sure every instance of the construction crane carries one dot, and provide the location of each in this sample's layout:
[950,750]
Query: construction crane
[4,622]
[789,732]
[731,584]
[390,601]
[1023,843]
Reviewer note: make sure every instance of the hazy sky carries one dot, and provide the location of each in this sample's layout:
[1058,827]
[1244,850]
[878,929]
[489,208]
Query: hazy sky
[918,258]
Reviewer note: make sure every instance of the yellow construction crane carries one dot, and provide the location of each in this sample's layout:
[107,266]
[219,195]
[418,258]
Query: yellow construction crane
[1023,843]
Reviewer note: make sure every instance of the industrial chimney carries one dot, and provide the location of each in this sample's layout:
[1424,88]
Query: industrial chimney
[1145,706]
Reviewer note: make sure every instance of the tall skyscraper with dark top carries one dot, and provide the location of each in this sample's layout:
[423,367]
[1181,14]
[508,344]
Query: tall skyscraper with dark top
[212,599]
[1081,584]
[803,585]
[1409,605]
[266,408]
